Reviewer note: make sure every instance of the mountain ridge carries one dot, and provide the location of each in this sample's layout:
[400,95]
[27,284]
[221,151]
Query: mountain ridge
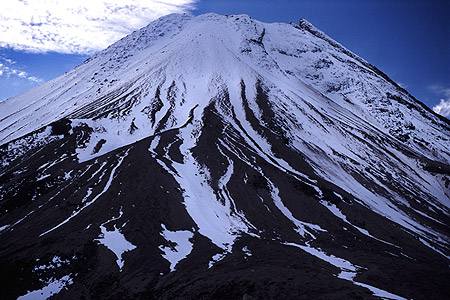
[314,30]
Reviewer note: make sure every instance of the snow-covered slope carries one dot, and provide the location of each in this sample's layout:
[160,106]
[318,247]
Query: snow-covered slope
[174,45]
[246,136]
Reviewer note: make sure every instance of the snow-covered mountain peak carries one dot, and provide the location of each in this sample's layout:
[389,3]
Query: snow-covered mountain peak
[165,161]
[212,49]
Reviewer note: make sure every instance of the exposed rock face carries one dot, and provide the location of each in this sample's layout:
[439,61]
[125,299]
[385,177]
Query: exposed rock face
[218,157]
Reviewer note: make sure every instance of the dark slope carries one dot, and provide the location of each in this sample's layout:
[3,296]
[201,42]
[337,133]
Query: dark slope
[148,196]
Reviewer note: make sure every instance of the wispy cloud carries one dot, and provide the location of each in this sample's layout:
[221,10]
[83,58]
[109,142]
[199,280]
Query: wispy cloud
[443,108]
[402,85]
[81,26]
[9,69]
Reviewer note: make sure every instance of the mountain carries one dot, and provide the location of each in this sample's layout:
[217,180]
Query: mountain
[219,157]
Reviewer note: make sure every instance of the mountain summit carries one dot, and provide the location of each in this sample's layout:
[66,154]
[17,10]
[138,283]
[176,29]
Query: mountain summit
[219,157]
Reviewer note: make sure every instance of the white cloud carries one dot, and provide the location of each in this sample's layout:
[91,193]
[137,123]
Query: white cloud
[402,85]
[443,108]
[77,26]
[440,90]
[9,69]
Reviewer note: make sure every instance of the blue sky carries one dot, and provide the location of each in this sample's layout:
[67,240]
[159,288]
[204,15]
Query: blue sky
[409,40]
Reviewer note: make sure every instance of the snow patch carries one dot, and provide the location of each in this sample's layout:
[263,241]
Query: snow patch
[42,177]
[52,288]
[116,242]
[214,220]
[246,251]
[3,227]
[179,245]
[56,262]
[333,208]
[216,258]
[86,204]
[303,228]
[434,248]
[348,270]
